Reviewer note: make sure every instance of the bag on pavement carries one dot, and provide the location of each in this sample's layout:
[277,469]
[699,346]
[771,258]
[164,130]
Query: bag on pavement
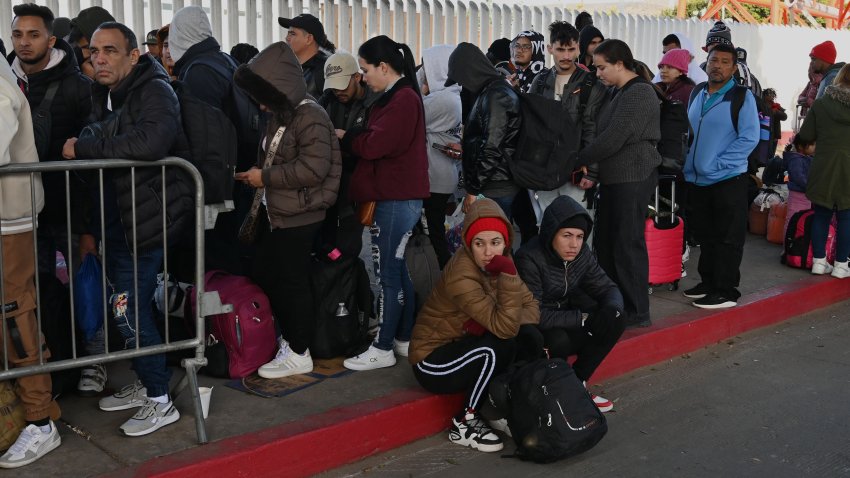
[88,297]
[422,265]
[343,306]
[12,419]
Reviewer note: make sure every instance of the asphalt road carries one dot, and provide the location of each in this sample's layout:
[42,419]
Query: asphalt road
[771,403]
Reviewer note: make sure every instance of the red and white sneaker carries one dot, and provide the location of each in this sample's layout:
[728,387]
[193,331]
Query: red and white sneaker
[603,404]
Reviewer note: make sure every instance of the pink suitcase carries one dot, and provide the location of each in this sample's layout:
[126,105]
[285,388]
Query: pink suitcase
[664,239]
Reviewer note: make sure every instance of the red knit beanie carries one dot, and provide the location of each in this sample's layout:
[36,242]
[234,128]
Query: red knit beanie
[487,224]
[677,58]
[824,51]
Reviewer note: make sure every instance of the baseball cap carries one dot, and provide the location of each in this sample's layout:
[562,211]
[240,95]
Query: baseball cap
[150,38]
[338,70]
[306,22]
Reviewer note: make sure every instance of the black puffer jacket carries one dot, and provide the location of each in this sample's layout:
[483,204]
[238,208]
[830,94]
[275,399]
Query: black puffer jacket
[70,108]
[553,280]
[149,129]
[204,82]
[314,74]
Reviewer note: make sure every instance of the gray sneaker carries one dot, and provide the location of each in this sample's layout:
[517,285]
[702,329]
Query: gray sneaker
[31,445]
[131,396]
[150,418]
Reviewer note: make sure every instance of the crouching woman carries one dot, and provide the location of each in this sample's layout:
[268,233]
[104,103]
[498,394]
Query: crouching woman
[580,306]
[464,335]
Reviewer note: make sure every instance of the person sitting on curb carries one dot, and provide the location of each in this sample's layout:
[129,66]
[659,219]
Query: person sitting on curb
[465,333]
[562,273]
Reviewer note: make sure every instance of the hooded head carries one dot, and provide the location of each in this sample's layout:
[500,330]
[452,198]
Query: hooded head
[87,21]
[435,66]
[499,51]
[486,216]
[190,26]
[564,212]
[273,78]
[585,36]
[469,68]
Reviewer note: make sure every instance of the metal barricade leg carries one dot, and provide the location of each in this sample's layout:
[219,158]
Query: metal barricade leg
[192,365]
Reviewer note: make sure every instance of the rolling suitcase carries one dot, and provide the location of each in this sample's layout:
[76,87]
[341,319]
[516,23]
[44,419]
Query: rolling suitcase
[664,241]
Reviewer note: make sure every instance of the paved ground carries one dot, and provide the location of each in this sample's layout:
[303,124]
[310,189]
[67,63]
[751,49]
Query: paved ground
[92,443]
[771,403]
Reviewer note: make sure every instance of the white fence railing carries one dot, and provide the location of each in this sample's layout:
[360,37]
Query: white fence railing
[778,55]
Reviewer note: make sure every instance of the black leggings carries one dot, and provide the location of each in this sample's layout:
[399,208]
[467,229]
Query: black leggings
[590,351]
[435,214]
[466,365]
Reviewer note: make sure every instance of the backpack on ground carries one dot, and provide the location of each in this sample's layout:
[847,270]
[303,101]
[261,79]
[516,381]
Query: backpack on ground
[343,306]
[774,172]
[550,413]
[422,265]
[798,241]
[212,143]
[56,326]
[247,334]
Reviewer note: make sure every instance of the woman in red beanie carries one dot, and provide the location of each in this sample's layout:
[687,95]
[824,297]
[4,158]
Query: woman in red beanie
[673,70]
[465,333]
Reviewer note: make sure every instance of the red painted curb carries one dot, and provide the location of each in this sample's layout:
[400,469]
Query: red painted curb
[288,450]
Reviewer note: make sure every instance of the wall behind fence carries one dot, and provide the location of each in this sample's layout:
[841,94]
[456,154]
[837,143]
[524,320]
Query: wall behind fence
[778,55]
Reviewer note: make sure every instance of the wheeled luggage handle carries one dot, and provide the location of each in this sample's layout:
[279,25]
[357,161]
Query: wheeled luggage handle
[672,178]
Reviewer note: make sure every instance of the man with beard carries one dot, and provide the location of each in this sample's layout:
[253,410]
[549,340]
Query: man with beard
[528,58]
[48,75]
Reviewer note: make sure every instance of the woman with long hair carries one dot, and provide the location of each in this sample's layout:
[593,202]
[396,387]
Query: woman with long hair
[392,172]
[624,148]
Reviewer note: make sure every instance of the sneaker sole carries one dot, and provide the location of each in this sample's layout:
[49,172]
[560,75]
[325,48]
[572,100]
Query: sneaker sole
[605,408]
[89,392]
[694,296]
[286,373]
[724,305]
[52,446]
[364,367]
[117,408]
[167,420]
[477,446]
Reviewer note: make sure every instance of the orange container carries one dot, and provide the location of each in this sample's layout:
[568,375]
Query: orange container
[776,223]
[758,220]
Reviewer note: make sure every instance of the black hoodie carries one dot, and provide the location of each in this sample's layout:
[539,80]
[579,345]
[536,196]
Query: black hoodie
[587,35]
[553,280]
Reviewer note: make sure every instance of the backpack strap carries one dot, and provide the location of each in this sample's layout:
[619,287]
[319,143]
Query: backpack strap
[696,91]
[541,82]
[584,93]
[739,95]
[48,96]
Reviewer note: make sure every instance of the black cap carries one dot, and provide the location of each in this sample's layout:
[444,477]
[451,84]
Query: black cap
[151,38]
[308,23]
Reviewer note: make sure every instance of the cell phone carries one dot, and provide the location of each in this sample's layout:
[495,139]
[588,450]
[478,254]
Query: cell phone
[578,175]
[448,151]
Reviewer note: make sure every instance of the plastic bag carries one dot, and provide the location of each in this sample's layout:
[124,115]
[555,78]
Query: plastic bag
[88,297]
[454,228]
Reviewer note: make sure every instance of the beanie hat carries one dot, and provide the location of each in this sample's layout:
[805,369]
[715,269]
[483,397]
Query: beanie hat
[719,33]
[824,51]
[88,20]
[499,51]
[677,58]
[579,221]
[487,224]
[189,27]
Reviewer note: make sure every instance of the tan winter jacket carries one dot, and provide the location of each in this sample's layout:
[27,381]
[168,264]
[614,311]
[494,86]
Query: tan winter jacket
[500,304]
[17,146]
[303,180]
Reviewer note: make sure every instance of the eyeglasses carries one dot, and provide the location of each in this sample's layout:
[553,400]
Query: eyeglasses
[522,46]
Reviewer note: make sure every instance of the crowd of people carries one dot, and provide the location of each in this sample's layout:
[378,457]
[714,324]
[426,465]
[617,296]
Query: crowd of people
[381,139]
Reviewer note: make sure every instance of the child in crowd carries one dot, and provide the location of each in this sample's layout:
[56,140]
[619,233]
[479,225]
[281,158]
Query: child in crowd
[797,159]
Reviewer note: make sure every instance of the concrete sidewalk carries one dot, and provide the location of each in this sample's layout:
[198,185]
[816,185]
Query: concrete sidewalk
[345,419]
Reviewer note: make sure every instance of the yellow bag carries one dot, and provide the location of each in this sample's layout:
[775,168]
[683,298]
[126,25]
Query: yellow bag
[12,419]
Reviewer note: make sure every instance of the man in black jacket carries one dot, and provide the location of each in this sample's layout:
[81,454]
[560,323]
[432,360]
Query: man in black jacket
[306,36]
[491,131]
[134,91]
[580,306]
[47,73]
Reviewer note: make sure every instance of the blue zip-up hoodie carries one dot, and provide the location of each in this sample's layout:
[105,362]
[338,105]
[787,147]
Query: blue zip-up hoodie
[718,152]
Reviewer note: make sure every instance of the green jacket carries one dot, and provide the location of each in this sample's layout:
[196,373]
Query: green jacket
[828,123]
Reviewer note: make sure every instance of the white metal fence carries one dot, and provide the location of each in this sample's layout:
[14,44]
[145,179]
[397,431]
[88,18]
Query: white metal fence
[778,55]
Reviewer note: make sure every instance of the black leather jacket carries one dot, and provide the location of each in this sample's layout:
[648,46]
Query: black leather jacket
[314,74]
[490,136]
[553,281]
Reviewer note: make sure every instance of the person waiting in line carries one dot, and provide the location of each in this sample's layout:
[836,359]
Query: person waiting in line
[796,160]
[589,38]
[624,147]
[243,52]
[301,183]
[392,171]
[555,265]
[673,71]
[306,36]
[528,57]
[465,332]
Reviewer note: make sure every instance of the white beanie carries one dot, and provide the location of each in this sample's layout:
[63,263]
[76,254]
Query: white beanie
[189,27]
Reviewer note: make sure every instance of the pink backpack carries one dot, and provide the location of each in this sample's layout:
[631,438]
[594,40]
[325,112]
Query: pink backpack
[248,332]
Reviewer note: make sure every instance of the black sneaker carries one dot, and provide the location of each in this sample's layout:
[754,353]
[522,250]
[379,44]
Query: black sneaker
[472,431]
[698,292]
[714,301]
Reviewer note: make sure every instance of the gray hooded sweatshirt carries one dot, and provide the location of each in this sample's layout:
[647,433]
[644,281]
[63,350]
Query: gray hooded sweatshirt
[442,118]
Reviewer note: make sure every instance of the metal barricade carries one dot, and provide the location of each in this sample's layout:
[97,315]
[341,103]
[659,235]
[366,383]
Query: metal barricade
[208,303]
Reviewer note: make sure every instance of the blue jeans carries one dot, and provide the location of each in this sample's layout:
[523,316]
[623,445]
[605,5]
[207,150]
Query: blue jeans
[506,203]
[151,369]
[820,229]
[394,221]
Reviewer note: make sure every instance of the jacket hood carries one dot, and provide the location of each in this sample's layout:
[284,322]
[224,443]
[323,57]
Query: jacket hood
[469,68]
[486,208]
[841,112]
[435,64]
[209,45]
[63,62]
[561,209]
[587,34]
[189,27]
[273,78]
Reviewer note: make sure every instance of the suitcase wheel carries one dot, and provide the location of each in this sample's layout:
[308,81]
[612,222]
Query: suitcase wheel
[673,286]
[649,291]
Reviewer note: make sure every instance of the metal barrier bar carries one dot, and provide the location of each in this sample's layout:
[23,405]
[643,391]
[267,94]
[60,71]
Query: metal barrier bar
[207,303]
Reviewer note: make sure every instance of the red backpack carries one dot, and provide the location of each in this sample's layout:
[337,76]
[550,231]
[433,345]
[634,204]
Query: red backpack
[247,333]
[798,241]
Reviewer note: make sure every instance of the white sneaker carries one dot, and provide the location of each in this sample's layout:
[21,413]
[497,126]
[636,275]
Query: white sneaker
[841,270]
[400,347]
[371,359]
[92,380]
[150,418]
[31,445]
[287,363]
[131,396]
[820,266]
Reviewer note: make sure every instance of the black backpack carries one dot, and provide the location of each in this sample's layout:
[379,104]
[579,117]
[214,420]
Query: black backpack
[550,413]
[774,172]
[422,265]
[212,143]
[343,306]
[676,133]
